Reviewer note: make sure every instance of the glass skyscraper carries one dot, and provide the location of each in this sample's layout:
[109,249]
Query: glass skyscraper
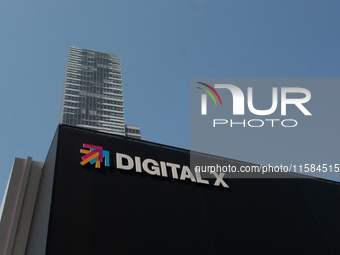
[92,95]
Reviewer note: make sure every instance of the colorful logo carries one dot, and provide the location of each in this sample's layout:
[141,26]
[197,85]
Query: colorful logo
[95,155]
[204,97]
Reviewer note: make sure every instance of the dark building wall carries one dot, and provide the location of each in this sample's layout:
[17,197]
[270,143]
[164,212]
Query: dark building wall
[112,211]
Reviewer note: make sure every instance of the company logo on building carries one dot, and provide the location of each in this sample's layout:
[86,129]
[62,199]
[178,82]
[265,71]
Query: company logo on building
[238,107]
[94,155]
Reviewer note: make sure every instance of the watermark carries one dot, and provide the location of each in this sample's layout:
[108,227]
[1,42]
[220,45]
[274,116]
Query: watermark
[266,120]
[238,106]
[266,169]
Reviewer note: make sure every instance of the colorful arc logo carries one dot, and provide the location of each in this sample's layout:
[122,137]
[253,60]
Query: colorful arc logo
[204,97]
[208,92]
[95,155]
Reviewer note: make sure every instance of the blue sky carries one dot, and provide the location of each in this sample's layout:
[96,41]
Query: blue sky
[162,45]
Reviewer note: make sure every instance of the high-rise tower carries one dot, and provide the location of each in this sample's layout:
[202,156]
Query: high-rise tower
[92,94]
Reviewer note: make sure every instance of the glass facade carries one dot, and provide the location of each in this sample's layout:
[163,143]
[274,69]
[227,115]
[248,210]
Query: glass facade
[92,94]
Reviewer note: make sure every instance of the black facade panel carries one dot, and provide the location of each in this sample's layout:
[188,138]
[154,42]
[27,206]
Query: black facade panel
[112,211]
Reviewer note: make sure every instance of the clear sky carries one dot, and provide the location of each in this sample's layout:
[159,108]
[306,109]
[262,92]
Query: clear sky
[162,45]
